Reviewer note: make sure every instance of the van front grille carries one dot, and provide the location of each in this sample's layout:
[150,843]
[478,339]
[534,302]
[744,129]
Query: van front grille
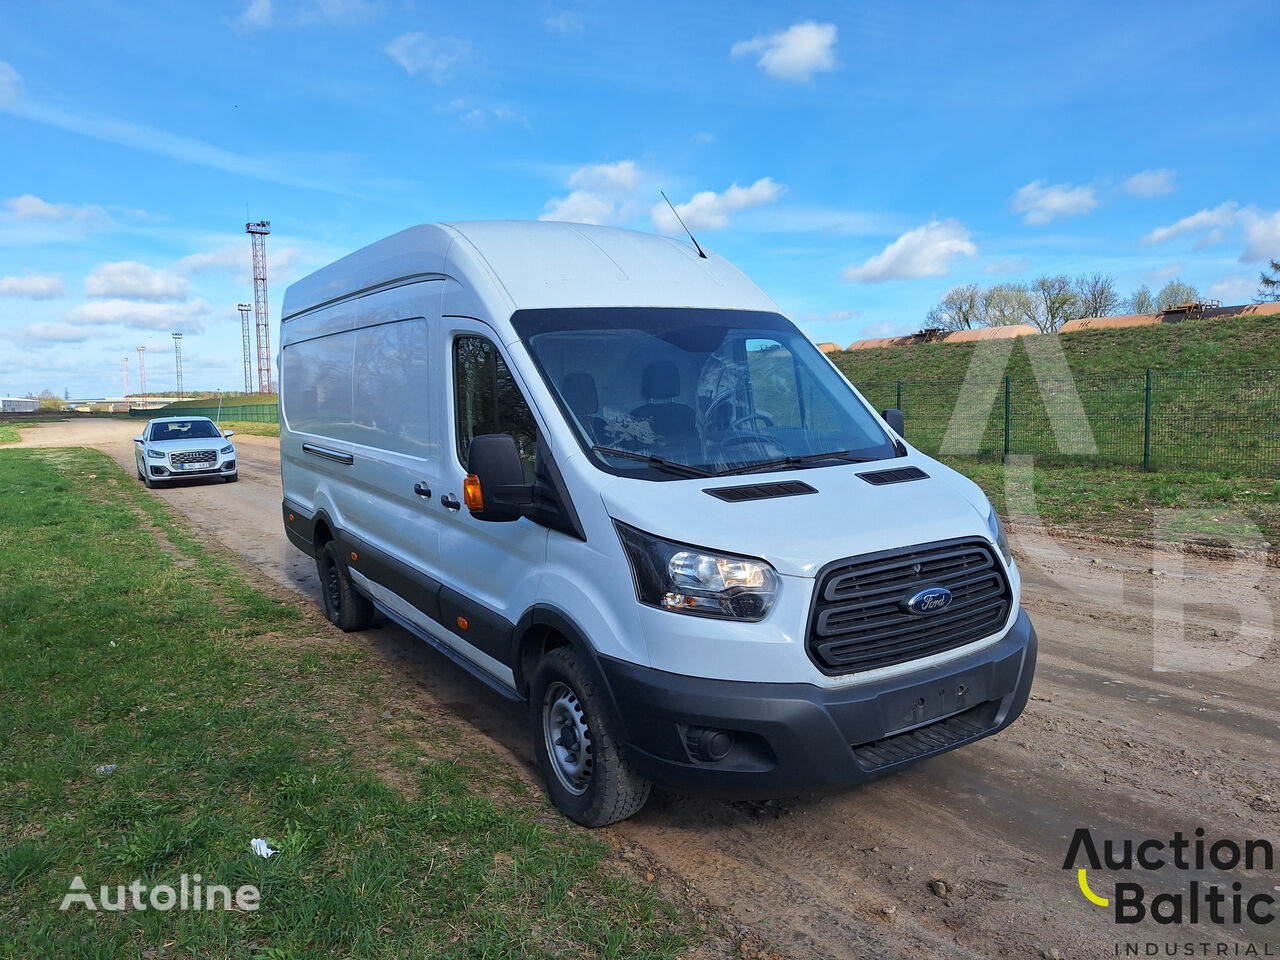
[861,621]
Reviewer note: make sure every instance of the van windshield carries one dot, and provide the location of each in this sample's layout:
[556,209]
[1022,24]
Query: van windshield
[718,391]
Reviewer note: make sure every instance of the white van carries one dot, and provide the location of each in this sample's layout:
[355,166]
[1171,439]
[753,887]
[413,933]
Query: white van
[602,472]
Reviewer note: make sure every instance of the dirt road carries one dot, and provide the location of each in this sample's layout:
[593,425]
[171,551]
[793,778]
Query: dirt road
[962,856]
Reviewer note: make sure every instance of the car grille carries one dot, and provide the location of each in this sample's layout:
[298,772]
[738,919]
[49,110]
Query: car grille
[860,619]
[194,456]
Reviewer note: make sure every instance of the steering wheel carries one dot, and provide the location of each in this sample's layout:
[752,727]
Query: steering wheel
[762,417]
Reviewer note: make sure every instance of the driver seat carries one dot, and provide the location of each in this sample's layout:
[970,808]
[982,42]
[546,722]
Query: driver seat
[660,385]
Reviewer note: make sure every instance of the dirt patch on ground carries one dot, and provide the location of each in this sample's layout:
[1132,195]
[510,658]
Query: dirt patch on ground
[1154,710]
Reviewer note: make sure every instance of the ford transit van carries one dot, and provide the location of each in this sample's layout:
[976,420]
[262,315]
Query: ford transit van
[600,470]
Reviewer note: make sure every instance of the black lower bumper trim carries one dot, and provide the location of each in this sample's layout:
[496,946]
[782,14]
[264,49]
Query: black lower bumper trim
[789,737]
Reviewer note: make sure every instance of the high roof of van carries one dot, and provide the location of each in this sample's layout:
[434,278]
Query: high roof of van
[509,265]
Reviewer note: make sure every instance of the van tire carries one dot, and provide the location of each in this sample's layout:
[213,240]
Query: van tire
[565,696]
[345,606]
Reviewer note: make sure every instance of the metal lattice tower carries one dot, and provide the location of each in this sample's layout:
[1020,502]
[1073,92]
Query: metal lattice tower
[126,378]
[177,361]
[244,309]
[142,372]
[258,236]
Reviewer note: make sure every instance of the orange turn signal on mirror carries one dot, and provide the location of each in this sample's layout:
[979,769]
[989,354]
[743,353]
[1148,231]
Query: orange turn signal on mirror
[471,494]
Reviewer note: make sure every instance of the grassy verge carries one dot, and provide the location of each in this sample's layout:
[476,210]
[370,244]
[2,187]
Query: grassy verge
[9,433]
[1210,507]
[227,716]
[251,428]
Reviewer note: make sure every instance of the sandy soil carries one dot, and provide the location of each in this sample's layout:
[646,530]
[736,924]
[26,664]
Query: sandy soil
[1129,732]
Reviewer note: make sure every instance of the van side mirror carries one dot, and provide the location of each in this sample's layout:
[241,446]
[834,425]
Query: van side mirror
[495,489]
[895,420]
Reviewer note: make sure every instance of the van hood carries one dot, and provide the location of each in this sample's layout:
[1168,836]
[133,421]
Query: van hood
[846,517]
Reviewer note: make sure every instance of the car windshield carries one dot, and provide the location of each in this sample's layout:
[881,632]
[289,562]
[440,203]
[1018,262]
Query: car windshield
[649,391]
[184,430]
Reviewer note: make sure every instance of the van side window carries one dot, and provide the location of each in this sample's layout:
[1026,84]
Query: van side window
[487,400]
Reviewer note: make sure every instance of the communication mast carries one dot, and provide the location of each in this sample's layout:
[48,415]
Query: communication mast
[177,360]
[244,309]
[258,237]
[142,373]
[126,378]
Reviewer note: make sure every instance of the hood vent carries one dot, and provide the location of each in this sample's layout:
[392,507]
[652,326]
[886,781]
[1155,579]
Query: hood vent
[760,491]
[899,475]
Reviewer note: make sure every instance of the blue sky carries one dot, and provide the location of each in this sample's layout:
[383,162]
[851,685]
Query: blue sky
[857,160]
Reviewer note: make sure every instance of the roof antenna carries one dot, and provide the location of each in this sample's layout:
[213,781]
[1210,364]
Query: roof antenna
[681,219]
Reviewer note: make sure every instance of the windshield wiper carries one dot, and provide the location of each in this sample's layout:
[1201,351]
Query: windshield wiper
[846,455]
[670,466]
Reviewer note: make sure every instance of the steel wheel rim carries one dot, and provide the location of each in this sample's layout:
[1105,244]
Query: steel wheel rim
[567,738]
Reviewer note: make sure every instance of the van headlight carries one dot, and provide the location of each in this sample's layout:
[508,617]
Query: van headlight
[684,579]
[998,535]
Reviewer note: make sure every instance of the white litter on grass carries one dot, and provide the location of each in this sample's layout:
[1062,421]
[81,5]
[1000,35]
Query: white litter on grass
[262,848]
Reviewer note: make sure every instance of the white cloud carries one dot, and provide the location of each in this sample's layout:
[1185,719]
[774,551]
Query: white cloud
[434,56]
[1043,204]
[1202,222]
[33,286]
[1165,274]
[130,280]
[600,193]
[1235,288]
[1002,268]
[480,117]
[256,15]
[181,317]
[9,82]
[796,53]
[237,261]
[564,21]
[1263,234]
[338,11]
[1150,183]
[709,210]
[28,207]
[57,333]
[926,251]
[835,316]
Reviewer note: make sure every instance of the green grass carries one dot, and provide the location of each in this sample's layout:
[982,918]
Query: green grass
[9,433]
[252,428]
[1215,396]
[123,640]
[228,400]
[1208,507]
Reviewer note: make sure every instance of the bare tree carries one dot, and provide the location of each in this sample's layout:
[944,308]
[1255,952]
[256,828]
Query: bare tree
[1175,293]
[1141,301]
[1095,295]
[1055,302]
[1269,283]
[960,309]
[1007,303]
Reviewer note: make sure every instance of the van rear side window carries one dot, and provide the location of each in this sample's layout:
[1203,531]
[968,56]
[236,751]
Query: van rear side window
[487,400]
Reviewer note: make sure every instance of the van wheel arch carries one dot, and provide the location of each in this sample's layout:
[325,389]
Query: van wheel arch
[541,630]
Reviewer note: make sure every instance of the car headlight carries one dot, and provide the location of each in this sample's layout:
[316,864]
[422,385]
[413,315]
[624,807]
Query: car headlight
[683,579]
[228,449]
[998,534]
[155,454]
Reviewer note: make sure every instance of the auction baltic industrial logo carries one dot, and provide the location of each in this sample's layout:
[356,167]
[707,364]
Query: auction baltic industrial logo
[1204,892]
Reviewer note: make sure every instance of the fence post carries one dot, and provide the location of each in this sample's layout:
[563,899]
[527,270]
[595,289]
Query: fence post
[1146,425]
[899,403]
[1008,408]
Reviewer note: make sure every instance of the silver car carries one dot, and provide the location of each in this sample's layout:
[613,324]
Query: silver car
[172,448]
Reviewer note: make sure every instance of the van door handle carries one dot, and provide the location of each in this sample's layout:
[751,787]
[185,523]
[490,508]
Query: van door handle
[449,503]
[422,490]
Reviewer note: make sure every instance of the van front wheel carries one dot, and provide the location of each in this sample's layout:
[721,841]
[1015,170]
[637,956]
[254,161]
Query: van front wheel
[588,778]
[346,608]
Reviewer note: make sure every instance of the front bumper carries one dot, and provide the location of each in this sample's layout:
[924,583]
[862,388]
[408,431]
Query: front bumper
[164,470]
[793,736]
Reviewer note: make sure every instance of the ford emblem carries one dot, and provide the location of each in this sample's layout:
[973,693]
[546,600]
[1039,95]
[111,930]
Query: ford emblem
[929,600]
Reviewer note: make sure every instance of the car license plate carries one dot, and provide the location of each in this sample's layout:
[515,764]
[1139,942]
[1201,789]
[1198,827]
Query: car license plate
[203,465]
